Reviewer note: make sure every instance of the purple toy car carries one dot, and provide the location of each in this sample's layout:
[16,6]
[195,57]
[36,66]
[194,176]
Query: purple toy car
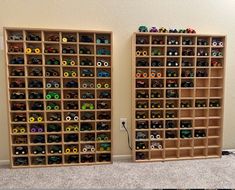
[153,29]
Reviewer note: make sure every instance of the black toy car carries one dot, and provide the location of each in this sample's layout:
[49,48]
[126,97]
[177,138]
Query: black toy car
[171,73]
[185,104]
[18,83]
[86,127]
[37,106]
[71,138]
[88,116]
[187,52]
[202,52]
[140,156]
[18,95]
[202,63]
[103,105]
[156,83]
[54,138]
[186,124]
[185,134]
[87,73]
[170,124]
[38,139]
[35,61]
[102,126]
[17,72]
[56,149]
[86,39]
[102,40]
[54,117]
[171,94]
[38,150]
[142,94]
[33,37]
[200,103]
[35,95]
[202,42]
[156,124]
[155,114]
[170,134]
[214,103]
[172,52]
[87,95]
[87,84]
[141,40]
[53,61]
[156,63]
[170,105]
[71,95]
[172,64]
[84,50]
[68,50]
[142,125]
[155,105]
[35,84]
[141,115]
[201,73]
[187,84]
[142,63]
[186,64]
[199,133]
[20,150]
[86,62]
[104,116]
[140,145]
[142,105]
[21,161]
[52,72]
[71,84]
[71,106]
[87,158]
[69,38]
[104,158]
[73,159]
[155,94]
[187,42]
[54,160]
[71,116]
[19,118]
[170,114]
[49,49]
[88,137]
[187,73]
[35,72]
[171,83]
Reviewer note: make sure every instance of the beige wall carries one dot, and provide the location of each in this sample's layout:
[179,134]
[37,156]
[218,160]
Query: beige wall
[123,17]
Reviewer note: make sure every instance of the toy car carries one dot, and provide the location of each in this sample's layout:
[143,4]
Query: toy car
[141,115]
[35,72]
[158,41]
[201,52]
[52,72]
[156,52]
[201,73]
[53,128]
[156,83]
[33,37]
[68,50]
[37,106]
[190,30]
[202,42]
[173,31]
[53,61]
[52,84]
[32,49]
[72,127]
[88,116]
[142,94]
[15,36]
[18,106]
[21,161]
[86,62]
[156,124]
[102,126]
[88,137]
[170,105]
[155,94]
[35,117]
[87,95]
[38,160]
[215,63]
[20,150]
[18,83]
[200,103]
[216,52]
[86,127]
[187,84]
[38,150]
[38,139]
[53,95]
[143,29]
[162,30]
[155,73]
[19,129]
[104,116]
[71,106]
[87,73]
[70,73]
[105,147]
[103,105]
[171,83]
[102,63]
[20,140]
[140,145]
[170,124]
[199,133]
[102,137]
[87,158]
[69,38]
[88,84]
[141,40]
[142,105]
[155,114]
[173,42]
[170,114]
[35,61]
[186,124]
[187,52]
[15,48]
[140,84]
[71,84]
[54,160]
[185,134]
[88,147]
[103,73]
[155,145]
[17,72]
[71,149]
[142,63]
[141,73]
[186,64]
[171,94]
[35,84]
[103,85]
[19,118]
[187,42]
[17,61]
[54,138]
[172,64]
[51,50]
[102,40]
[86,39]
[18,95]
[71,95]
[153,29]
[170,134]
[214,103]
[35,95]
[71,116]
[54,117]
[155,105]
[187,73]
[141,135]
[53,38]
[84,50]
[172,52]
[105,95]
[71,138]
[88,106]
[185,104]
[171,73]
[156,63]
[140,156]
[217,42]
[55,149]
[142,125]
[73,159]
[103,51]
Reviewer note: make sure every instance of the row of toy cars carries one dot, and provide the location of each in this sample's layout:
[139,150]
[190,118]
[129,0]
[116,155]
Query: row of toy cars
[84,38]
[70,159]
[164,30]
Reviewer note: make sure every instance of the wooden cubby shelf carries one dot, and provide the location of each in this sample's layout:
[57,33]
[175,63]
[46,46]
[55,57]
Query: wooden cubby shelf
[60,96]
[177,96]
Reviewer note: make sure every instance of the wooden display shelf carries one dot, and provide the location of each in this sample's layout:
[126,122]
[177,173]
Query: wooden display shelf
[40,82]
[177,96]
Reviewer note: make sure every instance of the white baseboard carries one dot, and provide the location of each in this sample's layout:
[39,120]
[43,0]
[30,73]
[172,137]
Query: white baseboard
[122,157]
[4,162]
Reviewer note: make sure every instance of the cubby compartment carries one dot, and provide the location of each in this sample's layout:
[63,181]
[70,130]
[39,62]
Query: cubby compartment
[188,51]
[201,93]
[200,123]
[51,160]
[188,41]
[215,113]
[145,104]
[51,48]
[216,62]
[144,62]
[141,156]
[173,40]
[142,39]
[202,62]
[106,157]
[171,134]
[103,39]
[214,123]
[71,159]
[87,158]
[201,113]
[15,47]
[169,104]
[14,35]
[187,93]
[156,104]
[172,62]
[171,154]
[199,152]
[186,143]
[69,61]
[52,36]
[16,60]
[214,132]
[186,113]
[213,142]
[142,83]
[187,62]
[156,154]
[215,83]
[169,124]
[157,62]
[157,51]
[214,152]
[202,83]
[185,153]
[172,51]
[16,71]
[158,40]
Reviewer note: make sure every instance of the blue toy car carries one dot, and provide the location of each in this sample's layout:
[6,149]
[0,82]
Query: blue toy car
[18,60]
[102,40]
[87,73]
[103,73]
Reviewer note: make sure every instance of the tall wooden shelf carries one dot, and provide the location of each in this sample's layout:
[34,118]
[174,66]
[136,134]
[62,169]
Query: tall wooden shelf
[84,89]
[177,96]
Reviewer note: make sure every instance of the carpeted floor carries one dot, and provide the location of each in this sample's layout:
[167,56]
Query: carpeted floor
[210,174]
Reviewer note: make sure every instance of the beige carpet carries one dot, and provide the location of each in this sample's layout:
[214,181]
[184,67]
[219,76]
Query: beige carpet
[210,174]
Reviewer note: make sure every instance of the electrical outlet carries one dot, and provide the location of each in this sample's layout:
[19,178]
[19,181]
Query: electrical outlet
[121,125]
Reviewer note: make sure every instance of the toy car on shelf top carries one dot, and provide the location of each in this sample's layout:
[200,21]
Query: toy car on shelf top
[143,29]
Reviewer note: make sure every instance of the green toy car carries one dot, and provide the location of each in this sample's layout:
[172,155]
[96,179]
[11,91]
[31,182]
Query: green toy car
[86,106]
[143,29]
[52,95]
[102,137]
[105,147]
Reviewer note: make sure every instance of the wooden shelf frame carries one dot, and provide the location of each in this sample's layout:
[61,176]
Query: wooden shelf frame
[208,86]
[77,157]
